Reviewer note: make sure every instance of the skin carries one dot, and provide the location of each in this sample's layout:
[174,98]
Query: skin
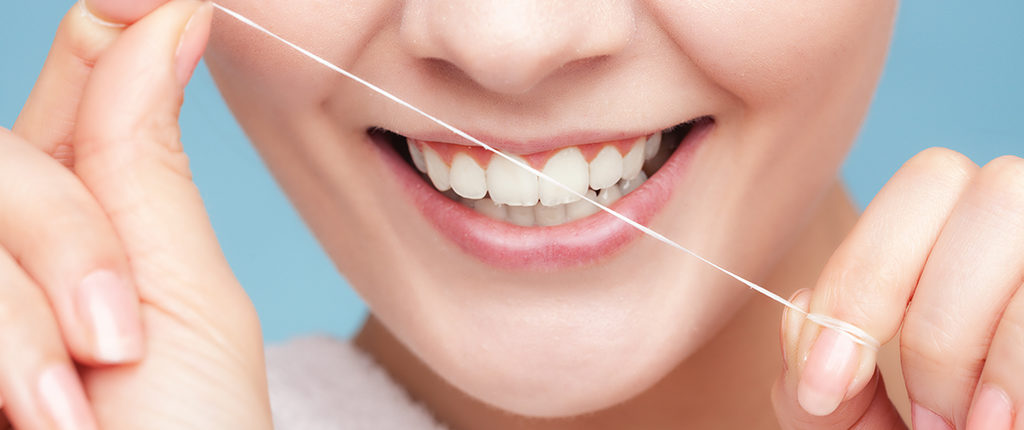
[622,341]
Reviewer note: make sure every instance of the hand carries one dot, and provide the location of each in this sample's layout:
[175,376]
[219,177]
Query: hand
[940,253]
[108,261]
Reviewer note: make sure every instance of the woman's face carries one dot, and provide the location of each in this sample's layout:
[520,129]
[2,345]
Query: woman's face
[568,313]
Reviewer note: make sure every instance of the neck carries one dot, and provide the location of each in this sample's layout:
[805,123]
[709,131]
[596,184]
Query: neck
[733,372]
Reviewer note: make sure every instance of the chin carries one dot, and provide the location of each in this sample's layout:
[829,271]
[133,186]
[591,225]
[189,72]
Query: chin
[554,363]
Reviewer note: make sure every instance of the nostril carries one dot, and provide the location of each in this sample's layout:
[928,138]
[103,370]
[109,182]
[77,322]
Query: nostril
[512,47]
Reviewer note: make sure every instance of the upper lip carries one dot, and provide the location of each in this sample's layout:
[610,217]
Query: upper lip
[528,145]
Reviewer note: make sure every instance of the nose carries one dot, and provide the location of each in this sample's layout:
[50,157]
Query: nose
[510,46]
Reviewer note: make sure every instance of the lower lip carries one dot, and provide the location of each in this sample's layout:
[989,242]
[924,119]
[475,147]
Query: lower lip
[579,243]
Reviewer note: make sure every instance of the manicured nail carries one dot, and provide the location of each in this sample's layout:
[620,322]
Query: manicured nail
[790,324]
[91,16]
[110,309]
[192,43]
[830,368]
[924,419]
[62,397]
[992,410]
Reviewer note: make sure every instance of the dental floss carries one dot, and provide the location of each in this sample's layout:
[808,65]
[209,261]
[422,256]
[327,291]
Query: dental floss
[857,334]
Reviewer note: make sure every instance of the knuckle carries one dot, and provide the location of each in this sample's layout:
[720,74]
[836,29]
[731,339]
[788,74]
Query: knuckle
[943,163]
[1004,177]
[929,342]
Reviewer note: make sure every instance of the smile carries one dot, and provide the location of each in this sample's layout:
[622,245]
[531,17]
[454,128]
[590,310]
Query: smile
[509,217]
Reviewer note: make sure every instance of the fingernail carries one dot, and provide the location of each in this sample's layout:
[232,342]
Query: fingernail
[192,43]
[91,16]
[992,410]
[791,326]
[109,307]
[61,394]
[924,419]
[830,368]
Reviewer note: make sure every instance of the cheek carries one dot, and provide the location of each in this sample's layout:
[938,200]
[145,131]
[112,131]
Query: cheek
[770,51]
[243,58]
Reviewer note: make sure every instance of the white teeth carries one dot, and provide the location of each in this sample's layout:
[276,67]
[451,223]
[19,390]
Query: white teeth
[652,146]
[628,185]
[520,215]
[504,191]
[467,178]
[569,168]
[417,156]
[488,208]
[582,208]
[633,162]
[609,196]
[549,215]
[605,168]
[510,184]
[436,169]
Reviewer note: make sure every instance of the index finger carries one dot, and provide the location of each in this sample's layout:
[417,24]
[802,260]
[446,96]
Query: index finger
[871,277]
[122,11]
[49,116]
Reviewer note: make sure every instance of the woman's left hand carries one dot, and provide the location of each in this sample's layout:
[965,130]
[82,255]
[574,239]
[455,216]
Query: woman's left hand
[937,259]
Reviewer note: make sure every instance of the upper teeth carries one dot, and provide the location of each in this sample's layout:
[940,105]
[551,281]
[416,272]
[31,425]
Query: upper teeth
[508,184]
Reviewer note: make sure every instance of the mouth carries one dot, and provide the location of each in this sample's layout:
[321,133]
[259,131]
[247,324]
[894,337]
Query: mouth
[509,217]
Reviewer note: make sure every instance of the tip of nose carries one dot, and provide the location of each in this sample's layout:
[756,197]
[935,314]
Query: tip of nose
[501,77]
[511,48]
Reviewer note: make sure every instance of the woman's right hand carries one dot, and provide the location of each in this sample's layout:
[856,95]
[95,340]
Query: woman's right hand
[117,308]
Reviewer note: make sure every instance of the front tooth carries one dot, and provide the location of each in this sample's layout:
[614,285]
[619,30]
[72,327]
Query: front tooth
[417,156]
[582,208]
[436,169]
[652,146]
[633,162]
[609,196]
[467,178]
[488,208]
[510,184]
[549,215]
[520,215]
[628,185]
[570,169]
[605,168]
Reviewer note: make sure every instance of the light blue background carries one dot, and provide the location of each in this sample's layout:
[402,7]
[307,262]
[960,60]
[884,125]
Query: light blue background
[954,79]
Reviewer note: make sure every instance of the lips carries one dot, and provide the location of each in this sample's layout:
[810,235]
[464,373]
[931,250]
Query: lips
[507,217]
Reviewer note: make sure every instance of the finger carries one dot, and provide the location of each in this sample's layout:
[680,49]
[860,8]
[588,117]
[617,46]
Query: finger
[972,272]
[998,398]
[64,240]
[868,409]
[870,278]
[122,11]
[49,115]
[41,389]
[128,153]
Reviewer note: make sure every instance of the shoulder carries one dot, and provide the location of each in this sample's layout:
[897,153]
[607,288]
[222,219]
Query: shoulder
[321,382]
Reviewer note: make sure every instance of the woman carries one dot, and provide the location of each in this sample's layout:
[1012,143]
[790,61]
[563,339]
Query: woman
[497,300]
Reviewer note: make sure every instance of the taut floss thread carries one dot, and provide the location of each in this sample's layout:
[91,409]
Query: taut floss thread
[856,333]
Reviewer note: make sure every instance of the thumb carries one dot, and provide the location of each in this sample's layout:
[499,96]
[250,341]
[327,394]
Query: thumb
[128,153]
[865,406]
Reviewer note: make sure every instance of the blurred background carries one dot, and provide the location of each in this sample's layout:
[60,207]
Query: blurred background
[955,78]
